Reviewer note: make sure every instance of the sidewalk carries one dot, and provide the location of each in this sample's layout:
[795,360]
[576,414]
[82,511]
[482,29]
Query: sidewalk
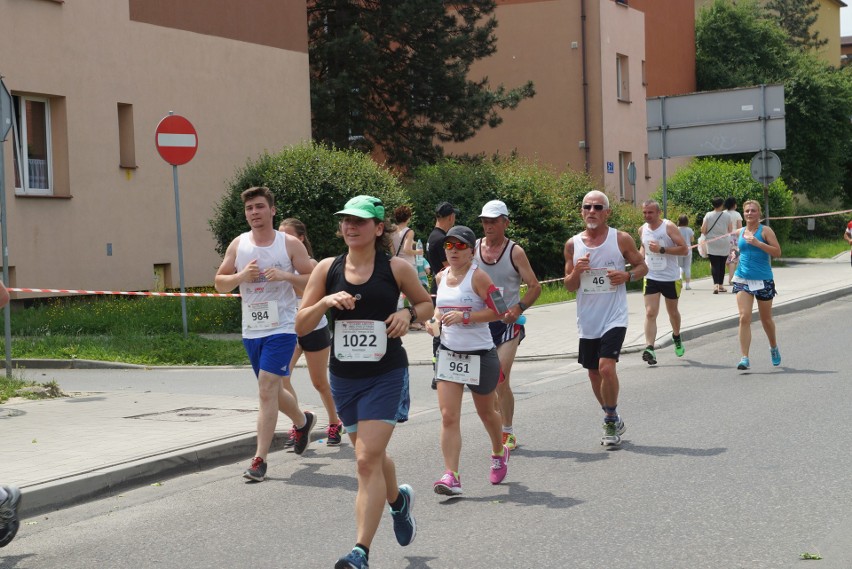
[64,451]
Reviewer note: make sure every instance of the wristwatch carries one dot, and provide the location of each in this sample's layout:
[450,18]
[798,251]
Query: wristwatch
[523,306]
[466,317]
[662,250]
[632,276]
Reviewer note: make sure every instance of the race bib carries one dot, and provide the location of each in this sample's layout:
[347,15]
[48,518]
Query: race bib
[596,281]
[260,315]
[458,368]
[754,286]
[655,261]
[360,340]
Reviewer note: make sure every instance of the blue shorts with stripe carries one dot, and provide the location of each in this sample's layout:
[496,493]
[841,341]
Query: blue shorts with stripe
[383,397]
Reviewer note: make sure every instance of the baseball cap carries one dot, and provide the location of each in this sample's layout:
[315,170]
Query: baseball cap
[462,233]
[366,207]
[494,209]
[445,208]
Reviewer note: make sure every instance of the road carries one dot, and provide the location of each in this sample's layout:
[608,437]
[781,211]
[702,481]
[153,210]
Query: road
[720,469]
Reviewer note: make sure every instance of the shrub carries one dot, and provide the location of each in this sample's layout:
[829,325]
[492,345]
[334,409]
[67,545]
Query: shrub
[692,188]
[825,227]
[544,205]
[310,182]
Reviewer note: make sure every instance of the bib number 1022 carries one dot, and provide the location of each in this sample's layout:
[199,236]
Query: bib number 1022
[359,341]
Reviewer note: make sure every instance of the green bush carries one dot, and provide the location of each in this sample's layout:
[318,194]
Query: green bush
[310,182]
[692,188]
[829,227]
[544,205]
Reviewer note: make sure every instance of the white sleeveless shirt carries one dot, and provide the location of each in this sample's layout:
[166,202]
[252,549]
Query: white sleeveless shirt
[463,337]
[503,272]
[598,312]
[660,267]
[260,296]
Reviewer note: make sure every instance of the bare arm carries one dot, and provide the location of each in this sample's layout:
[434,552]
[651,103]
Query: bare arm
[227,278]
[406,278]
[772,247]
[481,284]
[680,247]
[572,271]
[632,256]
[528,277]
[315,302]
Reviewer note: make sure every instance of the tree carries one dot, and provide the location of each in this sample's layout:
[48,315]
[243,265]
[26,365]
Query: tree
[394,75]
[797,17]
[741,46]
[737,46]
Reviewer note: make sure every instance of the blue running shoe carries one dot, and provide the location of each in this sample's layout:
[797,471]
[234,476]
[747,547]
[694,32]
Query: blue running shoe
[404,525]
[776,356]
[355,559]
[744,363]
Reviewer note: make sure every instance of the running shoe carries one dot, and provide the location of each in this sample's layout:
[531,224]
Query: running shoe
[303,435]
[687,287]
[744,363]
[448,485]
[333,434]
[649,355]
[403,522]
[9,522]
[499,467]
[611,435]
[776,356]
[510,441]
[291,438]
[257,470]
[355,559]
[679,349]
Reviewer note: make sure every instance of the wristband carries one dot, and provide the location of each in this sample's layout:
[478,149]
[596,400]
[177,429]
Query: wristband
[413,313]
[523,306]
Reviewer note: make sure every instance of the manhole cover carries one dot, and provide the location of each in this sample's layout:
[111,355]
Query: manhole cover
[192,414]
[6,413]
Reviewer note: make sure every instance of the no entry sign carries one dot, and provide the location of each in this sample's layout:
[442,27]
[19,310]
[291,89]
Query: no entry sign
[176,140]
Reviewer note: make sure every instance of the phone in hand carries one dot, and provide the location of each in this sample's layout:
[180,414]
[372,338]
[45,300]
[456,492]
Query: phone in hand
[499,302]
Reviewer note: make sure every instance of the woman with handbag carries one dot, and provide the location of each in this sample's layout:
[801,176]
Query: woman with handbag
[715,228]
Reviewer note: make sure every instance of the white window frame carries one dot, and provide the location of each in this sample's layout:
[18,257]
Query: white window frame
[21,151]
[622,77]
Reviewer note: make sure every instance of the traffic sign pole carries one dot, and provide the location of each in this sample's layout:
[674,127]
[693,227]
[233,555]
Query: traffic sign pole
[177,142]
[5,126]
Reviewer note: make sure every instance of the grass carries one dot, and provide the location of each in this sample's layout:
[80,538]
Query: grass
[11,386]
[149,330]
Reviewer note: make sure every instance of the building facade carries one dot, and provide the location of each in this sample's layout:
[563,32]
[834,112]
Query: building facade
[593,64]
[90,203]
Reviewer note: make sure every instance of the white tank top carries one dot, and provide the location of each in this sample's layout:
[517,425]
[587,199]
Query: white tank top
[257,295]
[463,337]
[602,311]
[660,267]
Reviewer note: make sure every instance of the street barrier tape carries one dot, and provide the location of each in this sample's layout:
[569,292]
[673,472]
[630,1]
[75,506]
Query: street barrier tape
[125,293]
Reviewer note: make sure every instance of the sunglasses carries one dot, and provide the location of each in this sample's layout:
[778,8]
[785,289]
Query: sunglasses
[597,206]
[449,246]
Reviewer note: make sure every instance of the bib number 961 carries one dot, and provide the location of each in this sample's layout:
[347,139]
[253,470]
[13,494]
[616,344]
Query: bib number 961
[458,368]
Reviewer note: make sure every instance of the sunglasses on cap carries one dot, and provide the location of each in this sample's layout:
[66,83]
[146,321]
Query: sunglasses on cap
[449,245]
[597,206]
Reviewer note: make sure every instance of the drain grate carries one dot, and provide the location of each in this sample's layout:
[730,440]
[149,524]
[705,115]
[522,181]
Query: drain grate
[191,414]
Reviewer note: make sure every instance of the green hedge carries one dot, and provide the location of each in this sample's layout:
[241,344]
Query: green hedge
[310,182]
[691,189]
[544,205]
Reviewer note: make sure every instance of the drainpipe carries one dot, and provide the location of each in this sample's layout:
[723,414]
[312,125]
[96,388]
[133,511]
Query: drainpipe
[585,83]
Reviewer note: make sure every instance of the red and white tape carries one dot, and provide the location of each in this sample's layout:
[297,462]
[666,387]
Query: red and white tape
[124,293]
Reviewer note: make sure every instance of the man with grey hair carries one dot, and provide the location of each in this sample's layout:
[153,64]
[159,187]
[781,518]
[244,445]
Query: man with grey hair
[595,267]
[662,243]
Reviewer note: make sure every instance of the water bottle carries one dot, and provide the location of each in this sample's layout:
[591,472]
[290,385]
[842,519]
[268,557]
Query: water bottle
[419,256]
[521,320]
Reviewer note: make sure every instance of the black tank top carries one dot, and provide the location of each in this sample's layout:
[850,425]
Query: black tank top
[378,300]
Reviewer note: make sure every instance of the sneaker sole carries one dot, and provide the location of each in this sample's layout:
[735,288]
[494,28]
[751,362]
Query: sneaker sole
[254,477]
[445,490]
[610,441]
[742,367]
[329,443]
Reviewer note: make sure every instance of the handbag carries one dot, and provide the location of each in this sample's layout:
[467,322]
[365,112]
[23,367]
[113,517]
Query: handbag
[702,246]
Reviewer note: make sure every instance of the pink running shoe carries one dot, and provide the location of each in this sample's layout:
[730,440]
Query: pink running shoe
[448,485]
[499,466]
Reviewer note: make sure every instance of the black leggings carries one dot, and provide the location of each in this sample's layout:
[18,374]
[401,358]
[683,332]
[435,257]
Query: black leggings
[717,268]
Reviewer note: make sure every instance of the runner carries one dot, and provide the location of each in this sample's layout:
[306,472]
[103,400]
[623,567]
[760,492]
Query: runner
[316,347]
[595,269]
[369,366]
[662,244]
[848,237]
[507,265]
[10,496]
[445,218]
[467,356]
[266,264]
[685,261]
[754,279]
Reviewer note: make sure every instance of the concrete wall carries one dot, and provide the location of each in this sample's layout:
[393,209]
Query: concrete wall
[242,97]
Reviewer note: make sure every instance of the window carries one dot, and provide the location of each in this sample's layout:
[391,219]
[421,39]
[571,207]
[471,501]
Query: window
[644,77]
[622,73]
[32,147]
[126,142]
[647,168]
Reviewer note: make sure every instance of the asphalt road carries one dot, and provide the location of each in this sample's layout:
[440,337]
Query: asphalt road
[719,469]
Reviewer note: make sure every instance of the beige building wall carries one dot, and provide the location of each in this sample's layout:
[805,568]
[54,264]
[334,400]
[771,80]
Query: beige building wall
[87,58]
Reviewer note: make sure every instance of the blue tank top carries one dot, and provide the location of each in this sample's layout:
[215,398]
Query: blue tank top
[755,264]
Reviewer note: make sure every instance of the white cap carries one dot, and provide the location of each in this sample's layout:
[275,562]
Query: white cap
[494,209]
